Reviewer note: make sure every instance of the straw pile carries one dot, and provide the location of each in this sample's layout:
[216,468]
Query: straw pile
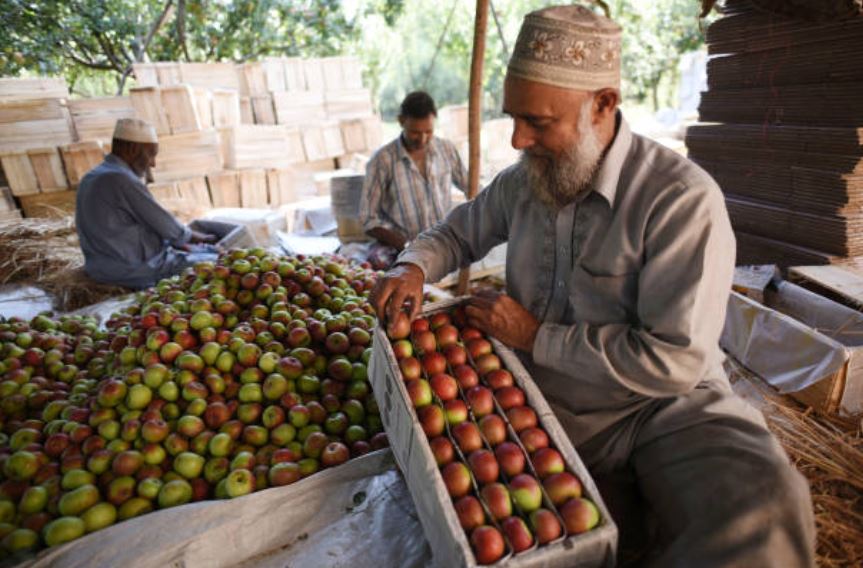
[44,253]
[830,454]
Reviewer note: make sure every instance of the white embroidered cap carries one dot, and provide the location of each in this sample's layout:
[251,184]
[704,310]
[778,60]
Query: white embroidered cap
[569,47]
[135,130]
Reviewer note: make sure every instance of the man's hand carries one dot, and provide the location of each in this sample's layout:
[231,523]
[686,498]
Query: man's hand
[502,317]
[403,282]
[202,237]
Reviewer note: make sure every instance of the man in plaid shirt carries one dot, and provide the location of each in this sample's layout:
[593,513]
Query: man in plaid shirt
[408,184]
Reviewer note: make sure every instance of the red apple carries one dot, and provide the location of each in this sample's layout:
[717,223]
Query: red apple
[487,363]
[455,411]
[444,386]
[468,333]
[400,327]
[335,453]
[510,457]
[446,335]
[561,487]
[419,392]
[424,342]
[533,439]
[579,515]
[419,324]
[434,363]
[455,355]
[466,376]
[487,544]
[547,461]
[484,466]
[480,400]
[496,497]
[545,525]
[521,418]
[498,379]
[443,450]
[467,437]
[456,477]
[493,428]
[478,347]
[432,420]
[439,319]
[402,349]
[526,492]
[509,397]
[470,513]
[517,533]
[410,368]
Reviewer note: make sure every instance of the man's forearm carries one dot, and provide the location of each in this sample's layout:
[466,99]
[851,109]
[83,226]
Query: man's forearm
[388,237]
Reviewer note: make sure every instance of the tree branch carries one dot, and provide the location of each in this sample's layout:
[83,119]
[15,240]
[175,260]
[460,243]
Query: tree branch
[169,4]
[181,27]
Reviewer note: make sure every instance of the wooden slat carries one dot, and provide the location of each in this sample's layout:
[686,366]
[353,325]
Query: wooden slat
[224,188]
[179,104]
[299,107]
[145,75]
[7,202]
[261,146]
[213,75]
[204,106]
[843,280]
[188,155]
[79,158]
[253,80]
[247,115]
[95,118]
[314,74]
[253,189]
[274,74]
[313,143]
[196,191]
[11,215]
[18,136]
[295,77]
[147,102]
[352,72]
[28,110]
[226,108]
[19,173]
[168,73]
[333,143]
[353,103]
[353,135]
[49,205]
[13,88]
[280,185]
[262,107]
[334,79]
[48,168]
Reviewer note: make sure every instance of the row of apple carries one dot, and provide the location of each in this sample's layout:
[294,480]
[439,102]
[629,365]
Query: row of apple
[243,374]
[510,488]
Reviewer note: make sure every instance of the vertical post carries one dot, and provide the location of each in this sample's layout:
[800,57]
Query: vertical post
[474,116]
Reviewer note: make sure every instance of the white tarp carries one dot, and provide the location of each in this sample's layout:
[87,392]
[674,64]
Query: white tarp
[359,514]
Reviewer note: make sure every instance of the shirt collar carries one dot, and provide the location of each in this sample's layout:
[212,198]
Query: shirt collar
[403,151]
[112,159]
[609,171]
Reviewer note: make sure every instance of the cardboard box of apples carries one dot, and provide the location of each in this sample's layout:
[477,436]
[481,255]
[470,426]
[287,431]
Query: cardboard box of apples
[494,477]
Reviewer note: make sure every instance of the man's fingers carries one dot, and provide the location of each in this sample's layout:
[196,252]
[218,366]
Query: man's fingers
[395,303]
[380,295]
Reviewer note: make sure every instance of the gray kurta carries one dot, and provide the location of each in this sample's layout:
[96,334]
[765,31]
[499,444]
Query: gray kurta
[126,236]
[631,285]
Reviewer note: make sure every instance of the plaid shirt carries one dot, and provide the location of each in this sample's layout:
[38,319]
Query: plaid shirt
[396,196]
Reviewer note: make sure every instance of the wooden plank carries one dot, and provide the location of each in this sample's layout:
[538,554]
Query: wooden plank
[95,118]
[333,143]
[11,215]
[314,74]
[253,189]
[147,102]
[204,106]
[313,143]
[353,135]
[17,136]
[295,77]
[299,107]
[49,205]
[145,75]
[7,201]
[168,73]
[261,146]
[179,104]
[195,190]
[226,108]
[253,81]
[212,75]
[13,88]
[348,103]
[352,72]
[164,192]
[843,280]
[188,155]
[224,188]
[79,158]
[262,107]
[274,74]
[27,110]
[332,70]
[247,115]
[280,184]
[48,168]
[19,173]
[374,129]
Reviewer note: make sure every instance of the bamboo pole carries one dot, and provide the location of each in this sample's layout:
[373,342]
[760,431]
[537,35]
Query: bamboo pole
[474,116]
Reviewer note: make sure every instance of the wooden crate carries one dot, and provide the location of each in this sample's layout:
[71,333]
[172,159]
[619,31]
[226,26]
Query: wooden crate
[79,158]
[334,79]
[261,146]
[188,155]
[262,107]
[195,190]
[7,201]
[164,192]
[179,104]
[19,173]
[34,124]
[352,72]
[30,110]
[349,103]
[49,205]
[147,102]
[214,75]
[145,75]
[204,106]
[253,189]
[14,88]
[253,79]
[296,108]
[280,185]
[226,108]
[224,188]
[313,143]
[453,122]
[48,167]
[295,77]
[95,118]
[361,134]
[168,73]
[314,74]
[247,115]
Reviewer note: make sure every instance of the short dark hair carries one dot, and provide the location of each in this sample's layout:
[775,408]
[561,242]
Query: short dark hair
[418,104]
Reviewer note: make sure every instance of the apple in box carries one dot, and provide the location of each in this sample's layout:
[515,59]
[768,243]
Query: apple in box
[467,437]
[432,420]
[466,376]
[501,378]
[442,449]
[561,487]
[526,492]
[410,368]
[444,386]
[419,392]
[533,439]
[487,544]
[456,477]
[545,525]
[510,457]
[517,533]
[470,512]
[434,363]
[446,335]
[498,500]
[425,342]
[484,466]
[509,397]
[493,428]
[521,418]
[455,411]
[480,400]
[579,515]
[547,461]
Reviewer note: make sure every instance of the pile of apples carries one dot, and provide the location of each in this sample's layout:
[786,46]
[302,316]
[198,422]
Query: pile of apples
[243,374]
[510,487]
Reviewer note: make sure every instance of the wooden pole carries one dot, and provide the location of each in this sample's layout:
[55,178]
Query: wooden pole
[474,116]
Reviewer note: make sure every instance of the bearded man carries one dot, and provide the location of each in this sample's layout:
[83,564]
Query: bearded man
[619,263]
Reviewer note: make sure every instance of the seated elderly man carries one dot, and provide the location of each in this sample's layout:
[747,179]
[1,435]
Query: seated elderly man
[127,238]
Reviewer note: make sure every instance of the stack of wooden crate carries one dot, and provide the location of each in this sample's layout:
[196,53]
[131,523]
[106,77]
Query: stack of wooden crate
[782,133]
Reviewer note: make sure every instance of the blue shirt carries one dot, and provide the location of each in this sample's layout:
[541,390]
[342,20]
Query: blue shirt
[396,195]
[125,235]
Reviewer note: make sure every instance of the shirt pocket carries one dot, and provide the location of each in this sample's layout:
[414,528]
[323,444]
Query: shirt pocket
[603,298]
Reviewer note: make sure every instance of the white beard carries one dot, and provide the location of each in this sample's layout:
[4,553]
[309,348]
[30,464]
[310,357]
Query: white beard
[559,181]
